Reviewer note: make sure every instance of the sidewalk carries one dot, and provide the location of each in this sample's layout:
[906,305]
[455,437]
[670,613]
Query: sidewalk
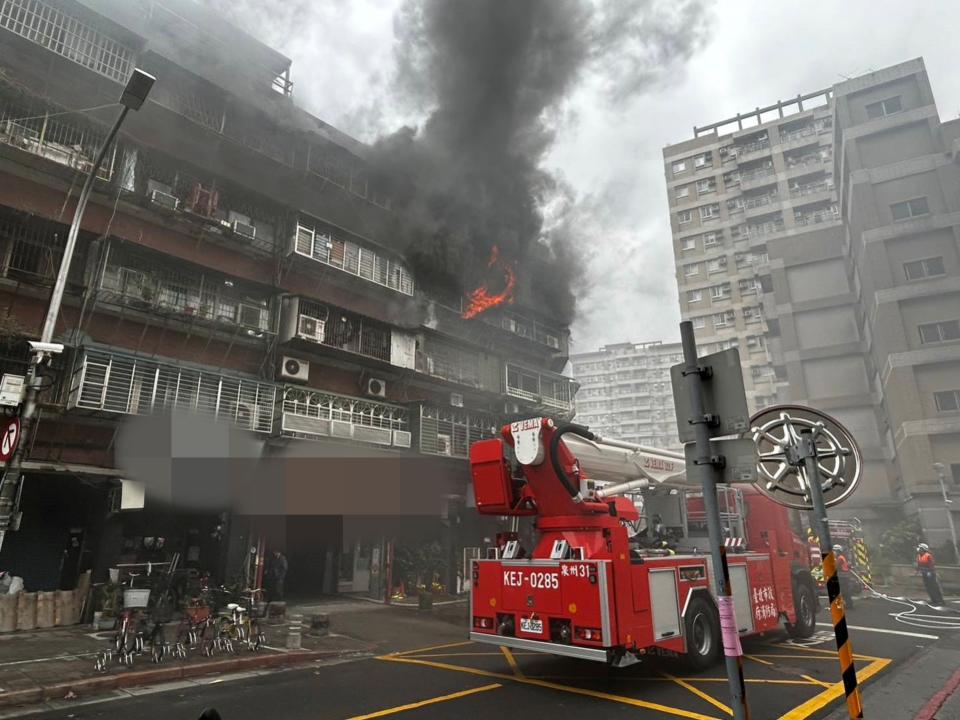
[59,663]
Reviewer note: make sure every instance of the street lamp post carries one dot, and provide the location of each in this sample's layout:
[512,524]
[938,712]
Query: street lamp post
[947,502]
[42,351]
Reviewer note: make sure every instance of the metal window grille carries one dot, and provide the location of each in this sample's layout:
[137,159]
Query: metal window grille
[67,36]
[312,413]
[111,382]
[439,359]
[349,331]
[450,432]
[551,390]
[351,258]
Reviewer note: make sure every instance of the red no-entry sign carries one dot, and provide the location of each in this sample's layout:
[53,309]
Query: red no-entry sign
[11,436]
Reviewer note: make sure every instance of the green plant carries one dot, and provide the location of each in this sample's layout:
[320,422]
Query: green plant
[110,599]
[899,543]
[420,567]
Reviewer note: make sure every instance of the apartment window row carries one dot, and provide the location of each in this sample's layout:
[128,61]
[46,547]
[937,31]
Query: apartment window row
[50,28]
[709,240]
[883,108]
[910,209]
[943,331]
[714,265]
[947,400]
[351,258]
[696,162]
[928,267]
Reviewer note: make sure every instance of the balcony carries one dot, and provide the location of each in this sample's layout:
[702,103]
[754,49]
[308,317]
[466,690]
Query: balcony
[314,322]
[757,177]
[448,362]
[548,391]
[450,432]
[811,188]
[760,229]
[756,147]
[66,139]
[31,249]
[145,282]
[752,202]
[109,382]
[321,246]
[806,132]
[827,215]
[807,160]
[311,414]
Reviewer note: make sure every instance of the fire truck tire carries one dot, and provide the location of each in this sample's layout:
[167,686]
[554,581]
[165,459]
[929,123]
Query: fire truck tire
[702,631]
[805,606]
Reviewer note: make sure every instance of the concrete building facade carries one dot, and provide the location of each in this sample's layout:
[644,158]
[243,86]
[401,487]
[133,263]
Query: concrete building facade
[857,283]
[237,262]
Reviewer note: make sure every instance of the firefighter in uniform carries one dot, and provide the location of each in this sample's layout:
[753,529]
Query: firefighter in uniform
[926,567]
[843,575]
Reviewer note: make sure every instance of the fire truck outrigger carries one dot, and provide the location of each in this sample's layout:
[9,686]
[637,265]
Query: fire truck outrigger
[604,582]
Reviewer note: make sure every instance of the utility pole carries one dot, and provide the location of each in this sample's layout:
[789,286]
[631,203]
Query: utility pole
[947,502]
[42,351]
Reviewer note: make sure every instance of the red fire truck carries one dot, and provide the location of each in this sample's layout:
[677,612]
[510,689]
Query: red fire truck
[621,566]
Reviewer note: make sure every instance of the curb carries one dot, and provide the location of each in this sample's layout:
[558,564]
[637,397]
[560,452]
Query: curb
[103,683]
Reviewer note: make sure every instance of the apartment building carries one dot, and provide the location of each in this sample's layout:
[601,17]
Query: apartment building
[855,283]
[235,263]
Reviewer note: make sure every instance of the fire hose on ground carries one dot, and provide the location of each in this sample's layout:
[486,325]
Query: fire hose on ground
[910,616]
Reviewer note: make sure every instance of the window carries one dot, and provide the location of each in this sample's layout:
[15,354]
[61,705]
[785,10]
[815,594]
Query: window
[684,216]
[947,400]
[682,192]
[711,239]
[940,331]
[679,166]
[699,322]
[755,343]
[701,161]
[724,319]
[751,286]
[707,186]
[720,292]
[910,208]
[761,371]
[708,212]
[688,244]
[884,107]
[691,269]
[929,267]
[716,265]
[752,315]
[694,296]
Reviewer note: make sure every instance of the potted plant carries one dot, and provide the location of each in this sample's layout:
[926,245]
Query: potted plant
[111,594]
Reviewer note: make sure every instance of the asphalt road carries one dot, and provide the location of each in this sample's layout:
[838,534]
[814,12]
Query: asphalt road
[787,680]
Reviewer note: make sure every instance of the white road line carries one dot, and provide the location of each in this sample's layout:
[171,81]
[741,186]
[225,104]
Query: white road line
[886,632]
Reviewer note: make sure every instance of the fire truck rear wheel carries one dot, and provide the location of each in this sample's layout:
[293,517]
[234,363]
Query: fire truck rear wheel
[805,605]
[702,626]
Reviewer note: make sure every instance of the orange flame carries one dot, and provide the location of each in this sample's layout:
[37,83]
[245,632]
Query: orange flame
[482,299]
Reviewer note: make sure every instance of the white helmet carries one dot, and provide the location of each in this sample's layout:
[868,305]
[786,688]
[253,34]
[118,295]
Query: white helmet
[837,548]
[923,546]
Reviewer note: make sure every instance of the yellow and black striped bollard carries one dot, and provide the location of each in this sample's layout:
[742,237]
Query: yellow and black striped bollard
[863,560]
[844,647]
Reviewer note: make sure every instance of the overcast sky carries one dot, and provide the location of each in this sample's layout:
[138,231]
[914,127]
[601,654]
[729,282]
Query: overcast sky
[755,53]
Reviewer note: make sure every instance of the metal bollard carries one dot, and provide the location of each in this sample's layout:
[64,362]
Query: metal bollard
[294,632]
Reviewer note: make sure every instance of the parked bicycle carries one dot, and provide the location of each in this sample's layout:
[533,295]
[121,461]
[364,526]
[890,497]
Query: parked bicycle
[239,625]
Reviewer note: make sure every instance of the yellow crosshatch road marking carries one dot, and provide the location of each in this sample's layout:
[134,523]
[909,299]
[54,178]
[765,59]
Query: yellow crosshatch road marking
[555,686]
[511,661]
[756,658]
[802,712]
[699,693]
[428,701]
[432,647]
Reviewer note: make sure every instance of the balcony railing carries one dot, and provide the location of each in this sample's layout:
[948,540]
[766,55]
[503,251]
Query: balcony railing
[192,296]
[755,146]
[351,258]
[806,131]
[115,383]
[757,174]
[67,141]
[820,216]
[808,160]
[67,36]
[447,362]
[348,331]
[760,229]
[314,414]
[540,388]
[811,188]
[760,200]
[451,432]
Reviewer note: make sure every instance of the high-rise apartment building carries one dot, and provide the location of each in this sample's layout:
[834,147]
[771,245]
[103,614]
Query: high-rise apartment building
[825,242]
[236,261]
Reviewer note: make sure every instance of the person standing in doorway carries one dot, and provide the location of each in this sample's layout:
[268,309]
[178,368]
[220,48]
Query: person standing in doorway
[276,576]
[927,568]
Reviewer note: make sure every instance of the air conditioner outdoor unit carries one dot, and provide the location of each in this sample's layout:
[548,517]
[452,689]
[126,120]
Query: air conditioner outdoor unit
[444,445]
[252,316]
[244,230]
[456,399]
[376,387]
[293,369]
[158,197]
[310,328]
[401,438]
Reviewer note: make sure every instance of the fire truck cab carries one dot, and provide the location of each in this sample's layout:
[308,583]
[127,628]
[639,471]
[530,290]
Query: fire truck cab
[620,567]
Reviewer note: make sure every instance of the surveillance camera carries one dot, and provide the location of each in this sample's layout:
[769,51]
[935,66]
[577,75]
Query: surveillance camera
[42,347]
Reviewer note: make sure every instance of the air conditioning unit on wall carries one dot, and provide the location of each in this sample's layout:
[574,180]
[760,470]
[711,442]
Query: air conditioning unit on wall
[244,230]
[293,369]
[376,387]
[310,328]
[158,197]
